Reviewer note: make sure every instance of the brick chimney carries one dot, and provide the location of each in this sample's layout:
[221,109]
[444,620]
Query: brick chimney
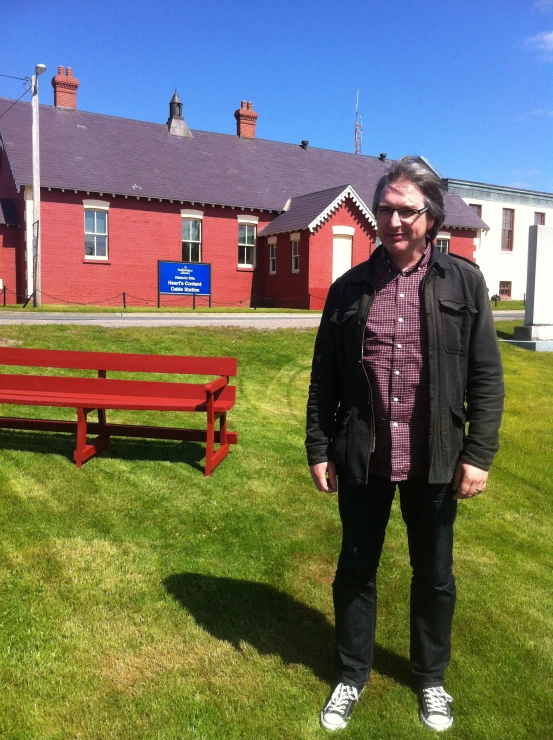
[246,119]
[65,88]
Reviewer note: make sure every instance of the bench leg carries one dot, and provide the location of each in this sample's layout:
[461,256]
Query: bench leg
[213,458]
[103,432]
[83,450]
[210,444]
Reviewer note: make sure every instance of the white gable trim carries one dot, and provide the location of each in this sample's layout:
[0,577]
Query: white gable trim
[348,192]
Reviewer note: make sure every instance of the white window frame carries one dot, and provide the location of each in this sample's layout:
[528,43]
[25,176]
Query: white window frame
[510,284]
[295,251]
[188,214]
[443,237]
[96,206]
[272,243]
[247,221]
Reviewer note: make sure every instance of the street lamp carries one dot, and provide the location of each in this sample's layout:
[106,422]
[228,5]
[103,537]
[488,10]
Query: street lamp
[37,300]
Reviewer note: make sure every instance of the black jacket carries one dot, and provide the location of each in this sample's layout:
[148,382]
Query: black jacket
[466,376]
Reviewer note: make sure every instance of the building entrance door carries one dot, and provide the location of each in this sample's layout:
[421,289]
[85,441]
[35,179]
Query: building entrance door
[341,255]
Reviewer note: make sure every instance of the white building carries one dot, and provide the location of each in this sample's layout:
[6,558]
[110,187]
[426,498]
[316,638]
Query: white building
[502,251]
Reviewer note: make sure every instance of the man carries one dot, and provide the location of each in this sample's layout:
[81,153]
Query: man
[406,353]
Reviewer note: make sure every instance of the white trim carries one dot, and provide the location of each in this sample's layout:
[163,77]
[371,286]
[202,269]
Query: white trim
[191,213]
[272,258]
[99,205]
[296,241]
[295,236]
[443,235]
[271,240]
[248,220]
[343,230]
[347,192]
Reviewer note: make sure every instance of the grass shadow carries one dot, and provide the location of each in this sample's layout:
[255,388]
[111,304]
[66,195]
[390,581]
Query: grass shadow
[271,621]
[121,448]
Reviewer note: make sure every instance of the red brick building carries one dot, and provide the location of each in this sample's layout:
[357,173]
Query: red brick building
[277,222]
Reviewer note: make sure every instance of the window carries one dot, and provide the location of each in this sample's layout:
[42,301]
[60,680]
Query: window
[505,289]
[246,244]
[96,234]
[295,256]
[477,208]
[191,240]
[507,226]
[539,219]
[443,245]
[272,259]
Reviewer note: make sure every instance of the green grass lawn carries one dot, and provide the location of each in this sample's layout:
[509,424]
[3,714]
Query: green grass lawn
[140,600]
[508,306]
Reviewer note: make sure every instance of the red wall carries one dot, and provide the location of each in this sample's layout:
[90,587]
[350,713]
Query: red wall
[320,251]
[285,289]
[140,233]
[461,242]
[12,238]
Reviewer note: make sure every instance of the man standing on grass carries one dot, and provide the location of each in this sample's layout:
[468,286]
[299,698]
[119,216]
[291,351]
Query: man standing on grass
[406,353]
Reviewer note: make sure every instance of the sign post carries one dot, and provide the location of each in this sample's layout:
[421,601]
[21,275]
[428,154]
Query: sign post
[183,278]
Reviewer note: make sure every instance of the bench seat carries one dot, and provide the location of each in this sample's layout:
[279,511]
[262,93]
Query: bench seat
[86,394]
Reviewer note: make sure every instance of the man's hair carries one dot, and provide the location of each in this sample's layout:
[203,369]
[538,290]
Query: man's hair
[413,170]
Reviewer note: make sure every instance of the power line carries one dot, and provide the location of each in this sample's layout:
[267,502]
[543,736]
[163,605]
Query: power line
[15,101]
[11,77]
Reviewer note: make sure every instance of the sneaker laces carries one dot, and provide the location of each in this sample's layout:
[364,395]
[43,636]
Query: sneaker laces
[436,699]
[342,696]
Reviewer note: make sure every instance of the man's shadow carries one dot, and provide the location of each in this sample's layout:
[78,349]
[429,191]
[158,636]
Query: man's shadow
[270,621]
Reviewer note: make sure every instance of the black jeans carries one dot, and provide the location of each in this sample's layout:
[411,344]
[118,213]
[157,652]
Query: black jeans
[429,512]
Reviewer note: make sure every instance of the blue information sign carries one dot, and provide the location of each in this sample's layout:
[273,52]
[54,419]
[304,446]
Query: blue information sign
[184,278]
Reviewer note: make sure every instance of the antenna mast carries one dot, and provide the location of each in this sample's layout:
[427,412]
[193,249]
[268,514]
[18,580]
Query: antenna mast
[358,140]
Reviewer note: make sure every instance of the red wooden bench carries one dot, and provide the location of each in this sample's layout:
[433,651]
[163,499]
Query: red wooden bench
[86,394]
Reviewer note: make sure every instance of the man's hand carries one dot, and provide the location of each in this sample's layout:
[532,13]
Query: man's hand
[468,481]
[324,476]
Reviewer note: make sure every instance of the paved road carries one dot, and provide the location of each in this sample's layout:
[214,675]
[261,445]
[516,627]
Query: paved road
[244,320]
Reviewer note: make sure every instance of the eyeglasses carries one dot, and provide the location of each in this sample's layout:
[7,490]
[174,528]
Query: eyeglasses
[405,214]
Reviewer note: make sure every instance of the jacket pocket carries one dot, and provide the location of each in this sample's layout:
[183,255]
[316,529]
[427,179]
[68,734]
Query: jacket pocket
[343,316]
[457,317]
[340,439]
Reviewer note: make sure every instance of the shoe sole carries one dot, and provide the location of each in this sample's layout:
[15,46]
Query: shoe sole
[436,728]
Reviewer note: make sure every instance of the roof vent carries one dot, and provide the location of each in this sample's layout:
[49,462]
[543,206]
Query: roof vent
[304,144]
[382,156]
[176,123]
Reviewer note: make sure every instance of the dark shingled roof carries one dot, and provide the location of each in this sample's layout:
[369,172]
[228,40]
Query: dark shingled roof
[303,210]
[98,153]
[8,214]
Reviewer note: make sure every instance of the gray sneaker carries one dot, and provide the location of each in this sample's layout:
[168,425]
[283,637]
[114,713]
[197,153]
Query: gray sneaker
[435,711]
[337,710]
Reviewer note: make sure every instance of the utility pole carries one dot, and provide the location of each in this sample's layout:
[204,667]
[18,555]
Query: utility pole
[358,140]
[37,286]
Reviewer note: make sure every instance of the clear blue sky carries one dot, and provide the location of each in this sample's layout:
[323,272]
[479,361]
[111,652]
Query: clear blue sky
[468,84]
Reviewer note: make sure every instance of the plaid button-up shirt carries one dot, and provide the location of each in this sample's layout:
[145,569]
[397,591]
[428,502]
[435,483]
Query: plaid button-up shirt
[394,357]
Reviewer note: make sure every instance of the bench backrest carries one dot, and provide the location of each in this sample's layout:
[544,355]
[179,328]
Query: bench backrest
[118,361]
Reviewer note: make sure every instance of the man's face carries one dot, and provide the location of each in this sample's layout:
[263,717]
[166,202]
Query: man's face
[404,240]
